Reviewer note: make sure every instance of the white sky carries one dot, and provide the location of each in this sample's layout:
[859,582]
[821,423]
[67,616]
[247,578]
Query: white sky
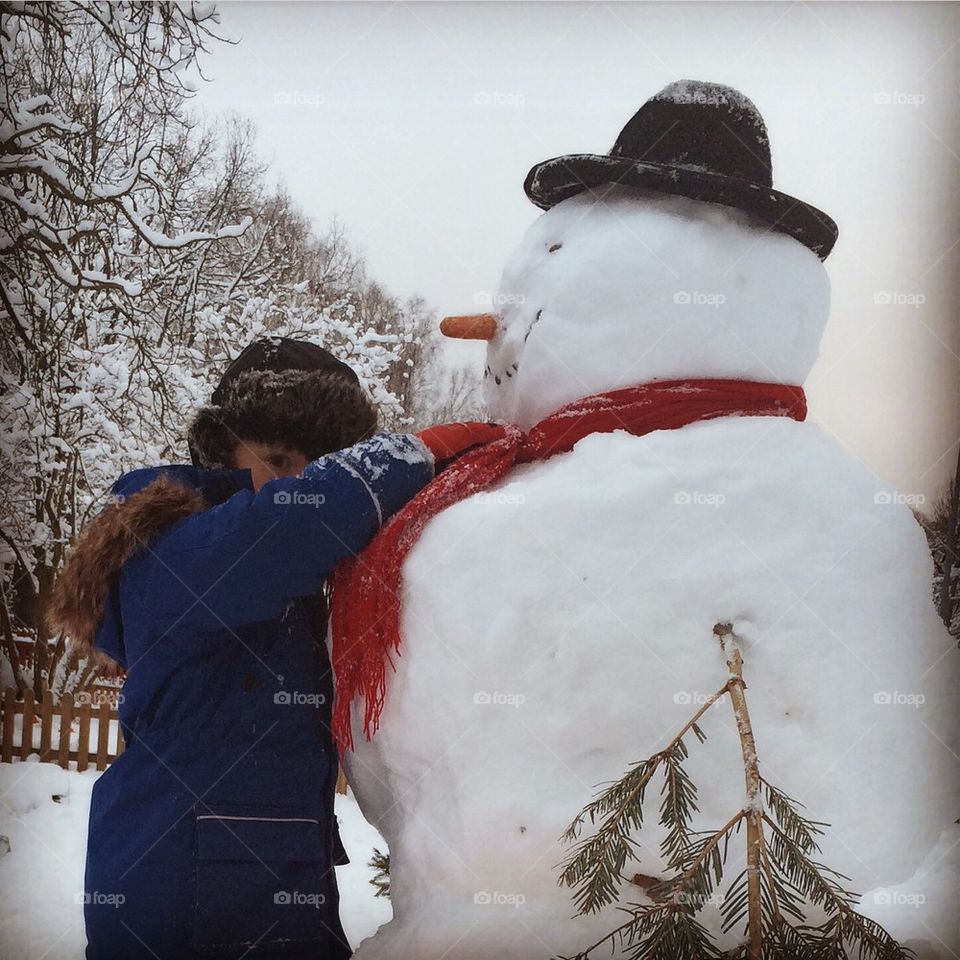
[371,112]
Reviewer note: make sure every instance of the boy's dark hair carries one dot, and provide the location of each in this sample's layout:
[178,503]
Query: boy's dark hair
[289,392]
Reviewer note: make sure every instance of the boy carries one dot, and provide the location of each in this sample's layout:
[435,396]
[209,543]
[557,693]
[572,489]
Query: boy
[214,833]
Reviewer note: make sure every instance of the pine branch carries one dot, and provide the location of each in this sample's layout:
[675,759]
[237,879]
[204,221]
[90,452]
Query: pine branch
[771,896]
[801,830]
[595,865]
[677,807]
[658,930]
[380,881]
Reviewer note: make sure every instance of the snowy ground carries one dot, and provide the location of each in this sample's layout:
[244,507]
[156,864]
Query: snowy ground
[43,832]
[43,818]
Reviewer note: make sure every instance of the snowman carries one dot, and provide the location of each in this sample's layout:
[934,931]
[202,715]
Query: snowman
[658,322]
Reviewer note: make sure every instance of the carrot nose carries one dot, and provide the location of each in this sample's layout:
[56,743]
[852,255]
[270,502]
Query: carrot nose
[474,326]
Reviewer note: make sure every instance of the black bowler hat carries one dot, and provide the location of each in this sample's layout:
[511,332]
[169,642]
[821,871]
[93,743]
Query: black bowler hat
[695,139]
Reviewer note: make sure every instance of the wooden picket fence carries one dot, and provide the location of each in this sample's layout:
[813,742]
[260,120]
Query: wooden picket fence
[95,720]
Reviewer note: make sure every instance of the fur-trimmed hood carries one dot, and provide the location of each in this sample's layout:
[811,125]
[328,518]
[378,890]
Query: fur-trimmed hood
[142,505]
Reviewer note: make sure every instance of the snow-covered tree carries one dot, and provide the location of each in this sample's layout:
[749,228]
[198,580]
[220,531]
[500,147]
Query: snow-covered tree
[92,98]
[942,527]
[455,396]
[140,251]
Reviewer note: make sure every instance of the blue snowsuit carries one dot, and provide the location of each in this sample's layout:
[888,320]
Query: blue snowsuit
[213,834]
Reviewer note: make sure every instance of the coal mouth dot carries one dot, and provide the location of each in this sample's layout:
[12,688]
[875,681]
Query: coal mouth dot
[487,372]
[515,366]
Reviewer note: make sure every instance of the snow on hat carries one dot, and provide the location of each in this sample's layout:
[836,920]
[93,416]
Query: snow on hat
[695,139]
[290,392]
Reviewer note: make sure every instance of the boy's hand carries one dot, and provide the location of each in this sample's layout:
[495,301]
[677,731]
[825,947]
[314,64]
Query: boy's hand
[449,440]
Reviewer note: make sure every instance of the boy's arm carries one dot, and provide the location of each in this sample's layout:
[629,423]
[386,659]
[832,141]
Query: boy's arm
[246,559]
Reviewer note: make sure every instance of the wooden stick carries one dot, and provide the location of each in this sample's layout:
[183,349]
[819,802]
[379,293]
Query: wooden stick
[753,808]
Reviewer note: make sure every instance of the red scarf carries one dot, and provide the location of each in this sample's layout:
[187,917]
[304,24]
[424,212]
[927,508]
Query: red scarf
[367,589]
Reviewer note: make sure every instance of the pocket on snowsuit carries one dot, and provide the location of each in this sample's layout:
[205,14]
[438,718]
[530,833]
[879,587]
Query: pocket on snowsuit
[259,885]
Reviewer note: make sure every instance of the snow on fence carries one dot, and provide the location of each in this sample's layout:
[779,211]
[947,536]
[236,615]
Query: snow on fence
[67,731]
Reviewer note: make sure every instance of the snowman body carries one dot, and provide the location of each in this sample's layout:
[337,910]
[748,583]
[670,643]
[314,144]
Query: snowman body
[559,627]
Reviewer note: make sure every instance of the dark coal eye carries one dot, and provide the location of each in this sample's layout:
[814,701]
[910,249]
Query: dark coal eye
[554,247]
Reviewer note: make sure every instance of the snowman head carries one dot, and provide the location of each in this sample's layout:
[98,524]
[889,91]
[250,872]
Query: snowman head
[672,256]
[619,286]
